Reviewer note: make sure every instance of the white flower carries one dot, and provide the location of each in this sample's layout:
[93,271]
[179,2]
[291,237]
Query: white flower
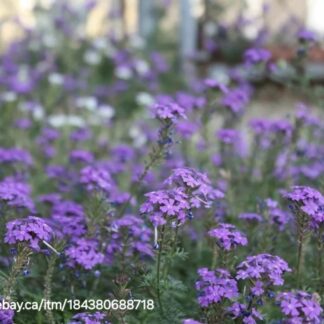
[89,103]
[56,79]
[92,57]
[138,137]
[123,72]
[106,111]
[144,98]
[142,67]
[61,120]
[100,43]
[36,109]
[136,41]
[49,40]
[8,96]
[38,112]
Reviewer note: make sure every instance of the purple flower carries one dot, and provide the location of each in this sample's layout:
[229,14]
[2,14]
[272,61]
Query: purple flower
[196,184]
[257,55]
[186,128]
[123,153]
[16,194]
[306,35]
[263,267]
[241,311]
[23,123]
[269,132]
[190,321]
[82,156]
[166,204]
[48,135]
[159,62]
[138,237]
[257,289]
[268,127]
[189,101]
[214,84]
[303,113]
[96,178]
[300,307]
[251,217]
[228,136]
[191,189]
[51,198]
[89,318]
[81,135]
[215,286]
[309,201]
[236,99]
[168,111]
[68,218]
[15,155]
[31,230]
[6,315]
[277,216]
[228,237]
[84,252]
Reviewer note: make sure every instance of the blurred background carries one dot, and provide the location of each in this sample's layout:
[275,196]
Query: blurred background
[198,38]
[139,16]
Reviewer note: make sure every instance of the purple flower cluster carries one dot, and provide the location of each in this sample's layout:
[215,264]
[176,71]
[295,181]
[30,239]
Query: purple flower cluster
[87,157]
[190,321]
[6,316]
[15,155]
[266,126]
[300,307]
[81,156]
[186,128]
[236,99]
[68,218]
[241,311]
[214,84]
[166,204]
[84,252]
[89,318]
[138,237]
[168,111]
[96,178]
[196,184]
[309,201]
[251,217]
[257,55]
[16,193]
[269,133]
[215,286]
[264,269]
[304,114]
[191,189]
[277,216]
[228,136]
[306,35]
[228,237]
[31,230]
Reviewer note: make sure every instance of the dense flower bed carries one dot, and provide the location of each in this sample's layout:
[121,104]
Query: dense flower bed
[115,184]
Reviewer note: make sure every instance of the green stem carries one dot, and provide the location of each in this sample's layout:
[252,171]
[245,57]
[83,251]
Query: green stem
[215,256]
[48,286]
[155,156]
[158,270]
[302,224]
[320,263]
[299,259]
[20,262]
[175,240]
